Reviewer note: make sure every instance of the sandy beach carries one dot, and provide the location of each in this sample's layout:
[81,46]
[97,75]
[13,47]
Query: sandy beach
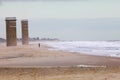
[29,62]
[31,55]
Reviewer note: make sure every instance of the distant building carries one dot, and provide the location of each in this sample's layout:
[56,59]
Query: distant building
[25,38]
[11,37]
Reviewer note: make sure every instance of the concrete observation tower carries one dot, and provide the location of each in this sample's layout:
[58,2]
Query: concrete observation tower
[11,36]
[25,38]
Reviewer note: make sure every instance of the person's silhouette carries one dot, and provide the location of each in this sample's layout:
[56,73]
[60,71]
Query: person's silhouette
[39,45]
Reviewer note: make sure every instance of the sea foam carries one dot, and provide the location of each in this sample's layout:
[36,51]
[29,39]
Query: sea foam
[100,48]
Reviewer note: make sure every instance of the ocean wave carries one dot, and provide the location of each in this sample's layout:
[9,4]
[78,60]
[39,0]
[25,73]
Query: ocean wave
[101,48]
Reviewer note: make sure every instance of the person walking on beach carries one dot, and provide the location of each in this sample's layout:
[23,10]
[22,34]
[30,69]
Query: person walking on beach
[39,45]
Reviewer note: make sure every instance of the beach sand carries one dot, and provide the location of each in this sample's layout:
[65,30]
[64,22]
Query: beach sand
[29,62]
[68,73]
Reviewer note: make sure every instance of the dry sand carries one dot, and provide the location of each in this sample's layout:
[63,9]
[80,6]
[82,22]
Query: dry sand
[33,63]
[71,73]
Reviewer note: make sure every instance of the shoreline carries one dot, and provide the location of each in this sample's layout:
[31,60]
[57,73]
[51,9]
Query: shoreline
[32,55]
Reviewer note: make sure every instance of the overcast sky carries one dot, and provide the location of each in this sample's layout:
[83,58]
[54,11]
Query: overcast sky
[67,20]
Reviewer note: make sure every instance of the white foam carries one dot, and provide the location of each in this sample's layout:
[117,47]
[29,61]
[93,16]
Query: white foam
[90,66]
[100,48]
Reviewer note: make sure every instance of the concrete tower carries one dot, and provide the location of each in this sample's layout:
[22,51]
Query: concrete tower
[11,37]
[25,38]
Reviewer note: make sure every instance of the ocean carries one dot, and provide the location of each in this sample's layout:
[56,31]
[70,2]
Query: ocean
[99,48]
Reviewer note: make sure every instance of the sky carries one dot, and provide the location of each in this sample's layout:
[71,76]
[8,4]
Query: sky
[66,20]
